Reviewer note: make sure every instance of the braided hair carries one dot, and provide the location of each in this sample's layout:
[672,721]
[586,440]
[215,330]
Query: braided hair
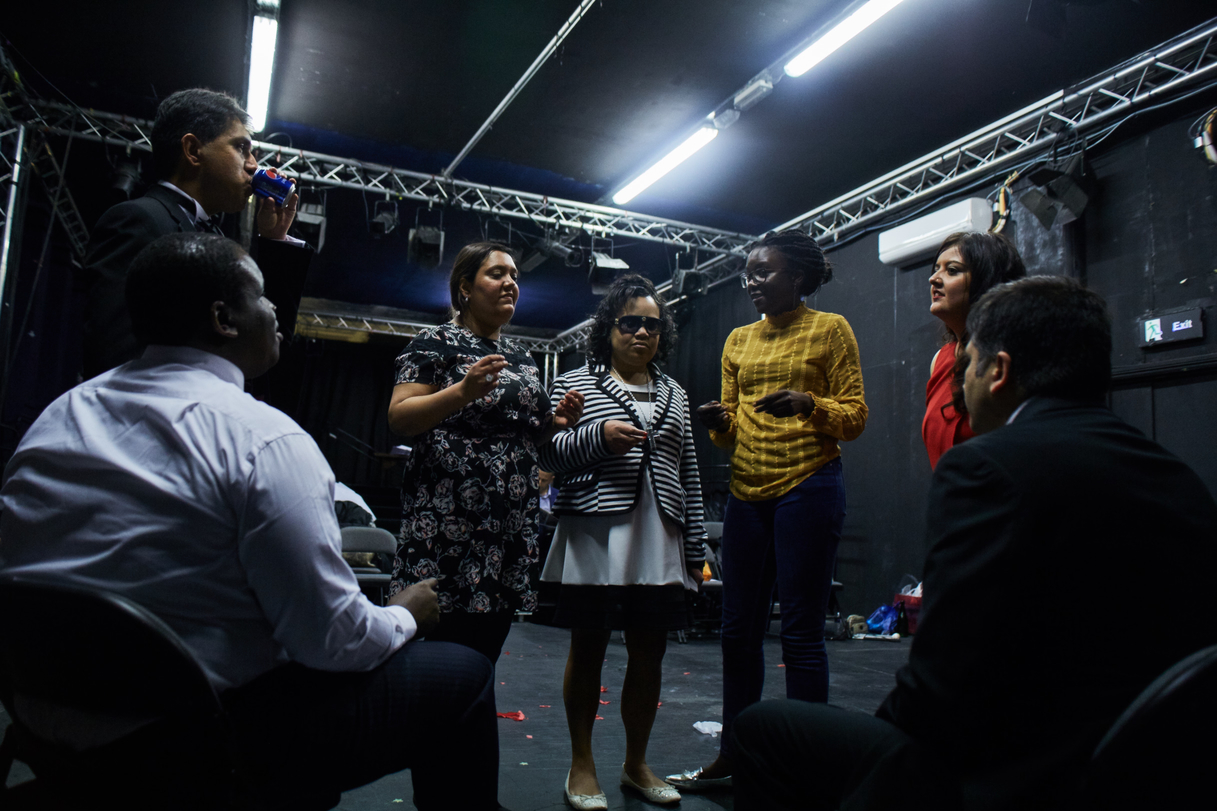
[803,254]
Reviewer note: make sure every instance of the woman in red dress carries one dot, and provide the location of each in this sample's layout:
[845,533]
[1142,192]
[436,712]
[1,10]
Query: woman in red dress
[967,265]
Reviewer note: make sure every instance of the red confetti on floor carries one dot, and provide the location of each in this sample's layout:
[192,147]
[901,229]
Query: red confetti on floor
[518,715]
[546,706]
[686,673]
[781,665]
[602,701]
[506,653]
[599,718]
[529,737]
[604,689]
[660,704]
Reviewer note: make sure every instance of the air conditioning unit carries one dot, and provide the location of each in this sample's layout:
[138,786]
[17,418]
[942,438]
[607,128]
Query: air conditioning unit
[919,239]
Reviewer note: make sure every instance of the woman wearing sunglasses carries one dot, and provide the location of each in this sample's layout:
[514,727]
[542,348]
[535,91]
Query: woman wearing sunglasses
[628,549]
[792,389]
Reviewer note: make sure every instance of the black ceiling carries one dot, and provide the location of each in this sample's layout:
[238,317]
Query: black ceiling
[408,83]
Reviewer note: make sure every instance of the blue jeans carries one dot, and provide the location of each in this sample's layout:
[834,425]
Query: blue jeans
[791,540]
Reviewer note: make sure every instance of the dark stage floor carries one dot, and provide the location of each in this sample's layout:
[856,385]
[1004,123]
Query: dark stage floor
[535,753]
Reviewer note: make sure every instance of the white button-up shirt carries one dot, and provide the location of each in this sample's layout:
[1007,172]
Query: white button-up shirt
[164,481]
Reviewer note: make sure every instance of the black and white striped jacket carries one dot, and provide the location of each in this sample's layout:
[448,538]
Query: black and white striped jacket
[592,479]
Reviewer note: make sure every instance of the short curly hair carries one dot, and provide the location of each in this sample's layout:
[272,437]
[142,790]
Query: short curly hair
[599,346]
[803,254]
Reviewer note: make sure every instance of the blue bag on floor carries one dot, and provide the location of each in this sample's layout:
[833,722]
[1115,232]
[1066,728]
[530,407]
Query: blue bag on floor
[883,621]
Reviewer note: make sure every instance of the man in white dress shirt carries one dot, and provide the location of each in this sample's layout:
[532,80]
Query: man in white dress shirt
[162,480]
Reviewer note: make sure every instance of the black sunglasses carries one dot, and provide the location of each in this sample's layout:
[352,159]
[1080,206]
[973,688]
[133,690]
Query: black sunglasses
[629,324]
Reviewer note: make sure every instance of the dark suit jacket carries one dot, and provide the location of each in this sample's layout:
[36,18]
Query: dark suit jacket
[1059,544]
[126,229]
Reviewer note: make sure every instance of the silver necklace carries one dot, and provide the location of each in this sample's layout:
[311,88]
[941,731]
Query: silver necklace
[646,422]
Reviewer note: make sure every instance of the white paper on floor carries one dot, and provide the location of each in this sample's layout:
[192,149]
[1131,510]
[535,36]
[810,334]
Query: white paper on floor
[711,728]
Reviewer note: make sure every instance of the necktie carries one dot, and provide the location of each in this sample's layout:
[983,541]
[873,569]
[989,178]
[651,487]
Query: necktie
[209,225]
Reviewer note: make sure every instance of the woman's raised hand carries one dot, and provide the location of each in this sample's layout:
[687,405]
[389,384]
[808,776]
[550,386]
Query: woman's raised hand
[713,415]
[622,437]
[482,377]
[568,411]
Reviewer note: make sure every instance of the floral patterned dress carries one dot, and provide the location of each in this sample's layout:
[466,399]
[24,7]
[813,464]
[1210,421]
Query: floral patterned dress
[469,494]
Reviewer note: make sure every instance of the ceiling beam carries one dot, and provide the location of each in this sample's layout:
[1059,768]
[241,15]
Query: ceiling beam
[544,56]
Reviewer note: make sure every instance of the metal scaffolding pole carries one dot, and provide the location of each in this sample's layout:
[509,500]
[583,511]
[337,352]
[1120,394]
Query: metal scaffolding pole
[541,59]
[12,144]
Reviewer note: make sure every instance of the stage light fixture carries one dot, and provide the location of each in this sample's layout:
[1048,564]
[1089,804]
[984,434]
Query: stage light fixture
[666,164]
[310,224]
[425,246]
[1063,195]
[261,62]
[688,282]
[126,178]
[603,271]
[842,33]
[571,255]
[384,219]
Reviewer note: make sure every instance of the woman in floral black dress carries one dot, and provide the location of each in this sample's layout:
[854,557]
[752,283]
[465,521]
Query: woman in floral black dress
[475,405]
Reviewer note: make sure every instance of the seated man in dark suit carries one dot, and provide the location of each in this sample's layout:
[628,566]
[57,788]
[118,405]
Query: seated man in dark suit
[162,480]
[201,154]
[1037,530]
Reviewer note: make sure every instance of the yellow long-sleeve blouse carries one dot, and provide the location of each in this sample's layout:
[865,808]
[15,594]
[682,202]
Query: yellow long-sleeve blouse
[802,350]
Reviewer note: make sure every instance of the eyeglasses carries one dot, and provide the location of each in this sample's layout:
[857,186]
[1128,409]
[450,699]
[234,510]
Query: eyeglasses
[629,324]
[757,276]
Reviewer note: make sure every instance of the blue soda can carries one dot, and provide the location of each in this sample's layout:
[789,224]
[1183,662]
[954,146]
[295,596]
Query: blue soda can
[269,183]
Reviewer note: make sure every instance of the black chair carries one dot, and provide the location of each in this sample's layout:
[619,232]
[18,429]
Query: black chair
[1160,752]
[108,707]
[376,541]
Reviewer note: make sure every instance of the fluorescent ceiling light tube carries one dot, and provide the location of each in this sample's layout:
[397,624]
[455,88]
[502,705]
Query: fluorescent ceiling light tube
[669,162]
[261,63]
[849,28]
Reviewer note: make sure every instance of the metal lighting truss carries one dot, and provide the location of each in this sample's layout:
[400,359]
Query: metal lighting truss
[1031,131]
[313,168]
[1123,90]
[327,323]
[309,320]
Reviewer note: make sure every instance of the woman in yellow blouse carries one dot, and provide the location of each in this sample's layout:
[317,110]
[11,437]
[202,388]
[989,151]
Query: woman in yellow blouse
[792,389]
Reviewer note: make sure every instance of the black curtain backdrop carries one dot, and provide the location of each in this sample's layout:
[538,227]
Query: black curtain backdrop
[341,397]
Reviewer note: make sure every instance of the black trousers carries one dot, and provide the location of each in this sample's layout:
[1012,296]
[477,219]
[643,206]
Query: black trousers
[485,633]
[304,736]
[798,755]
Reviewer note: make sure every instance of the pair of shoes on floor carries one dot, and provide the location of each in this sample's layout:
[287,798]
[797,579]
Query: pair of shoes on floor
[660,795]
[584,802]
[693,781]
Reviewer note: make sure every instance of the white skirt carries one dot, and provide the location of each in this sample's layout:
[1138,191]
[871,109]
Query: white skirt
[641,547]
